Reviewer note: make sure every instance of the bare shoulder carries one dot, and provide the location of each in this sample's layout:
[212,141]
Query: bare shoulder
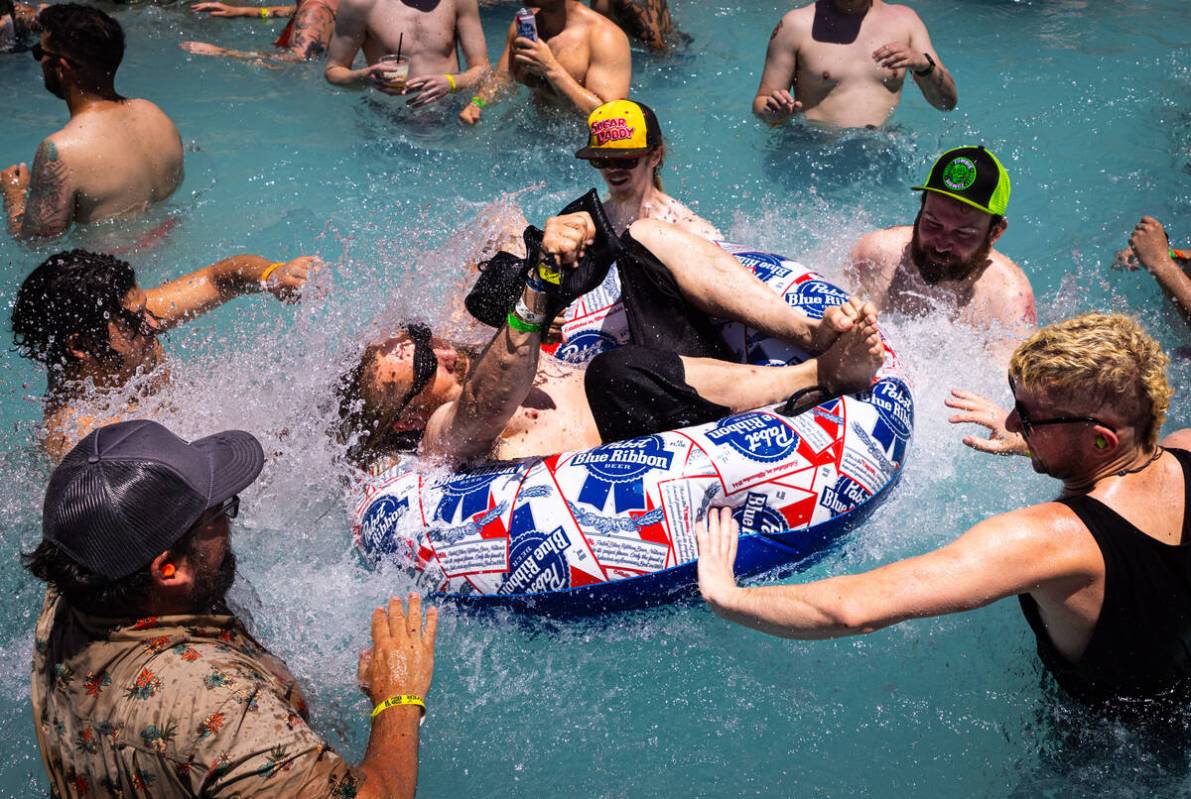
[900,15]
[794,26]
[1048,529]
[1179,439]
[1009,276]
[354,9]
[882,246]
[602,30]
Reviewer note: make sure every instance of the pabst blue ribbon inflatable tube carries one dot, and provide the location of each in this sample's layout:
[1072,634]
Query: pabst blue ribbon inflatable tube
[612,528]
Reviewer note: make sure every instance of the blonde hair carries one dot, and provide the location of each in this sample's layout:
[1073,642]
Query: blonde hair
[1099,360]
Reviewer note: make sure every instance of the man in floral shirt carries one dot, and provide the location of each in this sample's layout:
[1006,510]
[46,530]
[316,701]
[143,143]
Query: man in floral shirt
[144,684]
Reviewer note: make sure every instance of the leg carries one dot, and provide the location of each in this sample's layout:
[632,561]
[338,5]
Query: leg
[713,282]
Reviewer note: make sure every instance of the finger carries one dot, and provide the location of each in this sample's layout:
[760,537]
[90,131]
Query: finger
[985,445]
[413,619]
[430,629]
[362,667]
[396,618]
[701,542]
[732,533]
[380,628]
[970,418]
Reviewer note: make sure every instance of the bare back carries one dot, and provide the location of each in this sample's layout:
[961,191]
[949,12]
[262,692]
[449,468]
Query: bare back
[116,159]
[826,59]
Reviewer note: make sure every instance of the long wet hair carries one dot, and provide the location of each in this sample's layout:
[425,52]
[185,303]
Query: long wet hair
[657,170]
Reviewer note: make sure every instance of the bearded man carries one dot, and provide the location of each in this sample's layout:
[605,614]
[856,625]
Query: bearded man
[945,261]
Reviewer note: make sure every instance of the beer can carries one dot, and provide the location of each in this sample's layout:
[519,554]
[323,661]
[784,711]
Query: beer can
[527,26]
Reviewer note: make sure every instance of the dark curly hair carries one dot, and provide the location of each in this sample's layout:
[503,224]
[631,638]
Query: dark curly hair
[67,302]
[84,35]
[88,591]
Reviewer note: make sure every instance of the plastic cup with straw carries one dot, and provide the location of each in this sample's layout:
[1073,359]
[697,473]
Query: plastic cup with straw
[396,67]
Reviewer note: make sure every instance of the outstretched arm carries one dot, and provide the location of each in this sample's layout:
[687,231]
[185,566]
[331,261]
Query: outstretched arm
[774,103]
[216,9]
[1026,551]
[204,289]
[1152,248]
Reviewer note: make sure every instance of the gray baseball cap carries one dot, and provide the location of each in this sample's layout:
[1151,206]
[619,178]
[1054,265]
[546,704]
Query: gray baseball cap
[129,491]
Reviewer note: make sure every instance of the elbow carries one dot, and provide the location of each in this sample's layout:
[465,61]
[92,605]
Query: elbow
[851,616]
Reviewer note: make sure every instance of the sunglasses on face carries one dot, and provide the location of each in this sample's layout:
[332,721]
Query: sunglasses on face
[38,52]
[143,322]
[230,508]
[1028,424]
[614,163]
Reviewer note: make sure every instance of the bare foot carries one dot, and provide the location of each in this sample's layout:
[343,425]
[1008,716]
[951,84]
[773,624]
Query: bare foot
[839,319]
[849,364]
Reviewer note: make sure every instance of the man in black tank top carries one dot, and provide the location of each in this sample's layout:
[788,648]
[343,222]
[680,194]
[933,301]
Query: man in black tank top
[1103,573]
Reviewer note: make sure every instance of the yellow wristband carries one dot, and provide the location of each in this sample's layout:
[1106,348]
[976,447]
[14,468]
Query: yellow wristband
[401,699]
[270,269]
[264,13]
[451,80]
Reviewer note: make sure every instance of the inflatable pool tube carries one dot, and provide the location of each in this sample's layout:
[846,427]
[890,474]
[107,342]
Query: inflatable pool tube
[612,528]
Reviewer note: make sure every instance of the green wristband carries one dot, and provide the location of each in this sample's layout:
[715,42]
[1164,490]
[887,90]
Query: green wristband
[478,102]
[517,323]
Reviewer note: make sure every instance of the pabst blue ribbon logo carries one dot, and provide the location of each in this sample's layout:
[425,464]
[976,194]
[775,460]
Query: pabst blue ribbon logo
[619,469]
[895,405]
[755,516]
[842,497]
[815,296]
[585,345]
[537,559]
[763,264]
[378,527]
[466,494]
[757,436]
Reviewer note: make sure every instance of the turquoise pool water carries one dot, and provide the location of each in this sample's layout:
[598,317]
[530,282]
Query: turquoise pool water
[1087,103]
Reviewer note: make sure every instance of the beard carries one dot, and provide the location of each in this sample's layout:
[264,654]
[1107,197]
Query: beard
[935,266]
[212,585]
[53,82]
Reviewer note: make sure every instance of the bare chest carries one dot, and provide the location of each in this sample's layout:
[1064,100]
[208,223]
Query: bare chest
[573,52]
[555,417]
[826,65]
[419,33]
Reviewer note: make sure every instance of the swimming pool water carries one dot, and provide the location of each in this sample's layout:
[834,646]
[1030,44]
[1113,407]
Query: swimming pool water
[1088,104]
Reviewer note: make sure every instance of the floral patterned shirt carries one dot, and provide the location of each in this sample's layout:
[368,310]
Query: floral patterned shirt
[172,706]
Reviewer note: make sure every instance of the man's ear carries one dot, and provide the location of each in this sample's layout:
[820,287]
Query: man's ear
[173,572]
[998,230]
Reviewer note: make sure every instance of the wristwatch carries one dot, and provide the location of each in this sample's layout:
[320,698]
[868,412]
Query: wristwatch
[929,69]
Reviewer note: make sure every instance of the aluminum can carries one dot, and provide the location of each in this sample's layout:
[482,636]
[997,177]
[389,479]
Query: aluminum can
[527,26]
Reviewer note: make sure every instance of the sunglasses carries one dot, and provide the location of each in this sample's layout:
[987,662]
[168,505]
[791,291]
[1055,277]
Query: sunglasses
[614,163]
[230,508]
[144,322]
[1028,424]
[38,52]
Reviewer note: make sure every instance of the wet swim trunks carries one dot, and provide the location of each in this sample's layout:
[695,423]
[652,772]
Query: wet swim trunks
[1141,645]
[172,706]
[641,388]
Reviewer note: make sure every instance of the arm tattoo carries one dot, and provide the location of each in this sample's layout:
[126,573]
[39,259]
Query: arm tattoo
[51,202]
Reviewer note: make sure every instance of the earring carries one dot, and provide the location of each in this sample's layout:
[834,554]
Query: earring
[168,570]
[1101,443]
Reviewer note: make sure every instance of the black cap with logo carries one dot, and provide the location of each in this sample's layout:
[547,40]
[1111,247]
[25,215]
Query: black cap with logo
[973,176]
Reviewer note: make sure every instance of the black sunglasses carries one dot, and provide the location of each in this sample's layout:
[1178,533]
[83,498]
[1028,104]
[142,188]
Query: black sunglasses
[1028,424]
[144,322]
[38,52]
[425,366]
[614,163]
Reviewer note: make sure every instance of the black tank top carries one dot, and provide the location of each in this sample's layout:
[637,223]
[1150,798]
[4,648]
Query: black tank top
[1141,644]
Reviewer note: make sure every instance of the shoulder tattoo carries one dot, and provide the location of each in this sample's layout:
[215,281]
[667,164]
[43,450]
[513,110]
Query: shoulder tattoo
[51,204]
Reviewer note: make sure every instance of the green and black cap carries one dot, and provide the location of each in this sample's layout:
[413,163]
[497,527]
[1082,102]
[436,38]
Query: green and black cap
[973,176]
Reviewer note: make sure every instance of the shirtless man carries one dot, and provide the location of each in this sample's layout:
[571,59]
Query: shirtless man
[435,29]
[846,62]
[84,317]
[18,22]
[945,259]
[114,158]
[1101,573]
[504,403]
[580,60]
[647,21]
